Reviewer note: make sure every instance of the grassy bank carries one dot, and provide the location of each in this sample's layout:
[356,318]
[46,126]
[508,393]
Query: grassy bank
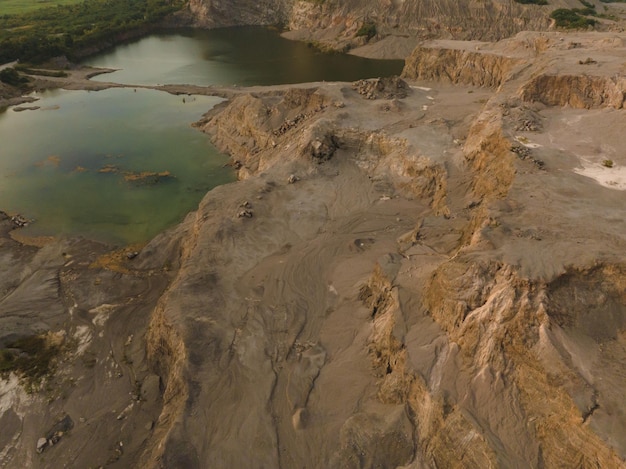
[19,7]
[70,29]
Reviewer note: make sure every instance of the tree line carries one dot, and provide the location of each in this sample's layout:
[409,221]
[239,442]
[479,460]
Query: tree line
[69,29]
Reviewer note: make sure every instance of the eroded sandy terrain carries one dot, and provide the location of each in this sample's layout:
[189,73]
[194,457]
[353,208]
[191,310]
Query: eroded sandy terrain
[425,272]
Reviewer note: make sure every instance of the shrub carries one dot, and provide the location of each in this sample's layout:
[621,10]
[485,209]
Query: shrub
[571,19]
[11,77]
[70,29]
[532,2]
[368,30]
[585,11]
[32,358]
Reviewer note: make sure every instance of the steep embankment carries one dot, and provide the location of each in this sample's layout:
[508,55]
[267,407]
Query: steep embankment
[388,29]
[577,91]
[435,62]
[508,326]
[337,22]
[428,19]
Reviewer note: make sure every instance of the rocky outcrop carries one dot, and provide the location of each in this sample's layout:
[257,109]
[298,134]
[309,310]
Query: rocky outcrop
[493,321]
[337,23]
[488,153]
[216,13]
[559,75]
[261,121]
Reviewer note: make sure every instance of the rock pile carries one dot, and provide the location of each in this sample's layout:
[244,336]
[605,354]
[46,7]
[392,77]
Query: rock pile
[20,221]
[289,124]
[382,88]
[54,435]
[525,154]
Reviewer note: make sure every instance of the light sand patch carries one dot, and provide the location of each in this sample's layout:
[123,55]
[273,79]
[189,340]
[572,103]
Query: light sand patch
[83,336]
[11,393]
[102,314]
[527,143]
[613,178]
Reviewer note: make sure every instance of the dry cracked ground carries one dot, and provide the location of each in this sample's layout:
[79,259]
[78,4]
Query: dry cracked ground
[418,272]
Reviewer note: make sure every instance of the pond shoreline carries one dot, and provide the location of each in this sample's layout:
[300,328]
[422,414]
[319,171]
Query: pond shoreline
[78,76]
[62,75]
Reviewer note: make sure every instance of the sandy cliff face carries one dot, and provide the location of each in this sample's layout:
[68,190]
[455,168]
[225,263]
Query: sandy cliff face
[216,13]
[578,91]
[427,19]
[335,23]
[459,66]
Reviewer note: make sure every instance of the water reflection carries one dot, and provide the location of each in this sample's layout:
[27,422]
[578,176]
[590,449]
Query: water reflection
[233,56]
[76,168]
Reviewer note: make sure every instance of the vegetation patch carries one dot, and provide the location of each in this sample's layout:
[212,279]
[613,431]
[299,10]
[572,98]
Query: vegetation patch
[368,30]
[43,73]
[10,76]
[322,47]
[31,358]
[573,18]
[532,2]
[607,163]
[18,7]
[70,29]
